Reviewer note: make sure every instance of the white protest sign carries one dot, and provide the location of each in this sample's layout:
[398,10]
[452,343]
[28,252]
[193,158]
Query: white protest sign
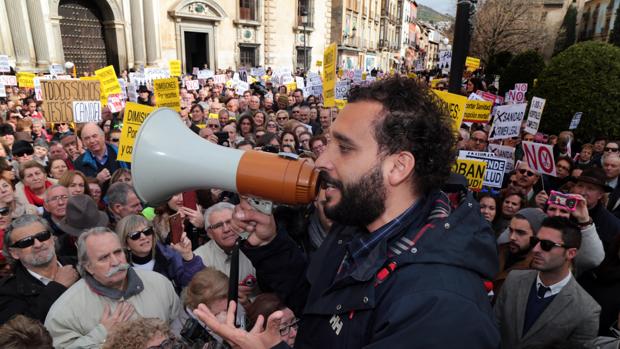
[219,79]
[64,77]
[86,111]
[57,69]
[116,103]
[123,84]
[205,74]
[38,94]
[132,93]
[504,152]
[540,157]
[2,90]
[342,89]
[8,80]
[445,59]
[299,81]
[192,85]
[514,96]
[575,121]
[533,118]
[522,87]
[357,76]
[496,167]
[287,79]
[507,121]
[241,87]
[5,66]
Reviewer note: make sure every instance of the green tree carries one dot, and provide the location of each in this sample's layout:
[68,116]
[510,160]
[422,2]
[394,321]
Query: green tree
[524,67]
[497,63]
[584,78]
[614,36]
[567,35]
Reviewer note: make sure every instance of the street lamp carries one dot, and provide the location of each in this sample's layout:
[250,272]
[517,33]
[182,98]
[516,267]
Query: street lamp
[70,67]
[304,23]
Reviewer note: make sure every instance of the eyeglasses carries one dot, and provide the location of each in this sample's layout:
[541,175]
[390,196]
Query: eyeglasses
[29,241]
[613,150]
[213,126]
[170,343]
[545,245]
[58,197]
[135,236]
[526,172]
[285,330]
[19,155]
[4,211]
[219,225]
[114,139]
[282,118]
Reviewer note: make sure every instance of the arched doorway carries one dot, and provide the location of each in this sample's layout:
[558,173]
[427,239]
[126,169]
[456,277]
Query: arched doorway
[82,33]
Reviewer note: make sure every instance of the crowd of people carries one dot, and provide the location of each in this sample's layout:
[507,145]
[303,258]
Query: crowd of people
[87,264]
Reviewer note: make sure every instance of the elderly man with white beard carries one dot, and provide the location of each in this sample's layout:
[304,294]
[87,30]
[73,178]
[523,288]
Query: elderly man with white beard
[110,292]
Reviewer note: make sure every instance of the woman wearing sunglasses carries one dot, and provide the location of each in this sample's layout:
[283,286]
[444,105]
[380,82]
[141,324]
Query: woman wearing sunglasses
[177,262]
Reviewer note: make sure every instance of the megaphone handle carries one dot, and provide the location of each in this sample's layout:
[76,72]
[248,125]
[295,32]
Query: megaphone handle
[264,206]
[233,280]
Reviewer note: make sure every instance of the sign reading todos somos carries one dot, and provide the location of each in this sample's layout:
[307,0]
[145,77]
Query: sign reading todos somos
[59,95]
[540,157]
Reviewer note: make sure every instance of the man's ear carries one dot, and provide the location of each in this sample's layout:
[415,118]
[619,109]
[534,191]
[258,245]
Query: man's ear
[115,208]
[571,253]
[13,254]
[401,168]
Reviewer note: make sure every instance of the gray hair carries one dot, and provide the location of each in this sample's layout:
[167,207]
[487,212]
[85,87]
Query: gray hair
[52,187]
[607,155]
[17,223]
[82,254]
[118,192]
[220,206]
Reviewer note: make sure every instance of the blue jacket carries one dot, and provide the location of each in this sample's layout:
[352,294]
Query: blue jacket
[87,164]
[169,263]
[435,297]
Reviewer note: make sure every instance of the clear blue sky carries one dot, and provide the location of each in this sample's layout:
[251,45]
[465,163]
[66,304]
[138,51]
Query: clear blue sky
[442,6]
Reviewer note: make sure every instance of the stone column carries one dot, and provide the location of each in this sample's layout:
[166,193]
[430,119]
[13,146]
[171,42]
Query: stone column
[20,31]
[6,41]
[37,27]
[137,33]
[151,31]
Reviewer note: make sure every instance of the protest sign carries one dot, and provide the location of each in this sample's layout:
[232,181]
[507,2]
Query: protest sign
[319,63]
[9,80]
[514,96]
[167,93]
[241,87]
[135,114]
[472,63]
[507,121]
[533,117]
[540,157]
[109,81]
[488,96]
[132,92]
[574,123]
[5,66]
[25,80]
[496,167]
[522,87]
[219,79]
[2,90]
[330,57]
[445,59]
[102,98]
[195,71]
[340,103]
[175,67]
[156,73]
[38,95]
[342,89]
[504,152]
[357,76]
[477,111]
[473,170]
[59,95]
[87,111]
[205,74]
[57,69]
[116,103]
[192,85]
[455,105]
[299,81]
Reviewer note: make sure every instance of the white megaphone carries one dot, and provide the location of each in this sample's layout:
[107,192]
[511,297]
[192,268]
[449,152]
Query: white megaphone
[168,158]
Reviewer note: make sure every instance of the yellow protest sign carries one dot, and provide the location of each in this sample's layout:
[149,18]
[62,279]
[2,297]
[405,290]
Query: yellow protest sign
[167,93]
[175,67]
[102,98]
[478,111]
[340,103]
[473,170]
[25,80]
[213,116]
[59,95]
[414,76]
[135,114]
[291,86]
[330,56]
[109,81]
[472,63]
[319,63]
[455,105]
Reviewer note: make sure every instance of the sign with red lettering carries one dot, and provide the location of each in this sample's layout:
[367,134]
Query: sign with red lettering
[540,157]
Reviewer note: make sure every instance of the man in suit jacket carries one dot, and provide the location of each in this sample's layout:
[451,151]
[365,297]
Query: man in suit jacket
[611,166]
[545,307]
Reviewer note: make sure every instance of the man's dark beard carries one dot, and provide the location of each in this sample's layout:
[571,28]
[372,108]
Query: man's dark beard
[361,203]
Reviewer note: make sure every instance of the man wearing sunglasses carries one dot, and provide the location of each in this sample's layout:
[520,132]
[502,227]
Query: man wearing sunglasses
[611,166]
[527,178]
[546,307]
[40,277]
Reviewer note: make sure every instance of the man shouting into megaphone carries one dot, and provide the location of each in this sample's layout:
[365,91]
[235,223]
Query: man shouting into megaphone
[401,267]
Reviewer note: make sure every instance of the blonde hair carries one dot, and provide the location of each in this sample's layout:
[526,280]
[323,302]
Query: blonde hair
[207,286]
[136,333]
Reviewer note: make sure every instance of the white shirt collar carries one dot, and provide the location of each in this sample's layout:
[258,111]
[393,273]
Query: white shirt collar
[42,278]
[555,288]
[613,183]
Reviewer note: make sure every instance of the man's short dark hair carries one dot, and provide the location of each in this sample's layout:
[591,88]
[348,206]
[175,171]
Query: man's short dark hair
[412,121]
[571,234]
[118,192]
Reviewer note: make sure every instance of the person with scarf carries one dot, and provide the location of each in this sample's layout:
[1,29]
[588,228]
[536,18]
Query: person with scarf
[34,182]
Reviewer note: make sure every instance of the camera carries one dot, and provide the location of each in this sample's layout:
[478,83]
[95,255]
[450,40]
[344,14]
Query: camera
[198,337]
[565,200]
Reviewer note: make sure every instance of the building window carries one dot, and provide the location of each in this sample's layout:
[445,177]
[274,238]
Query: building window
[247,10]
[248,56]
[304,57]
[304,9]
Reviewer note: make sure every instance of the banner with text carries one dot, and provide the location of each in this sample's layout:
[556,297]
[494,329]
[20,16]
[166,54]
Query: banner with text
[540,157]
[59,95]
[135,114]
[330,58]
[455,105]
[533,117]
[473,170]
[496,167]
[167,93]
[109,81]
[507,121]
